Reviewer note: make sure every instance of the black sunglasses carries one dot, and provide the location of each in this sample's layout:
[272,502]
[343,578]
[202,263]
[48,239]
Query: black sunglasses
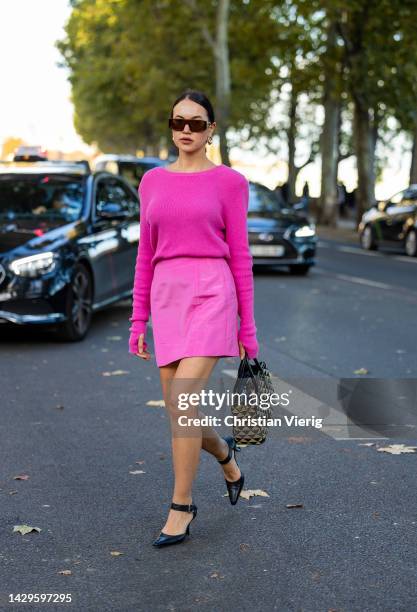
[196,125]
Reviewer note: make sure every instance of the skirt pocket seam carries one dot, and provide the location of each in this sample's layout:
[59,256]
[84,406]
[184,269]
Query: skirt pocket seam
[225,285]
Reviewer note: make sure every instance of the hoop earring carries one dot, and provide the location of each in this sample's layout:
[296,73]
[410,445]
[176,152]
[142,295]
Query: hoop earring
[209,139]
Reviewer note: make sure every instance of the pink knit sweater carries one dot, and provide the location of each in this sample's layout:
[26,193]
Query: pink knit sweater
[202,214]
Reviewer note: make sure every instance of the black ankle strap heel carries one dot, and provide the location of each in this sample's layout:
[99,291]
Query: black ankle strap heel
[233,488]
[164,538]
[232,448]
[184,507]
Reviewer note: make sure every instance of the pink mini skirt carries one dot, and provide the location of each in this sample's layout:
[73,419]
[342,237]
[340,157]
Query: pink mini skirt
[194,309]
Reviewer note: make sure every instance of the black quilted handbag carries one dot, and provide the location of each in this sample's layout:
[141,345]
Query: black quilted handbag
[252,380]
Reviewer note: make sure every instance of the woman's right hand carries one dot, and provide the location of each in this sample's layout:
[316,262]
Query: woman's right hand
[142,353]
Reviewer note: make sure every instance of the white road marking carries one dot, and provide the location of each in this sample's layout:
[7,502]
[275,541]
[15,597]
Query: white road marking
[359,251]
[333,418]
[348,249]
[405,258]
[361,281]
[364,281]
[381,438]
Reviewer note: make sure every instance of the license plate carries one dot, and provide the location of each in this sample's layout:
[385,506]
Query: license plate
[267,250]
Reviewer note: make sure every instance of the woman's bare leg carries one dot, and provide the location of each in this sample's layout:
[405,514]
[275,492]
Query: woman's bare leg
[189,375]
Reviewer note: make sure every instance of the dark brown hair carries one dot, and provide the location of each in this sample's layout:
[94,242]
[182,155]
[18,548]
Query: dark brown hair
[200,98]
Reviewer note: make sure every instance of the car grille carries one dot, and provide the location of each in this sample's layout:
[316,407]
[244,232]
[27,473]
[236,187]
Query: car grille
[289,249]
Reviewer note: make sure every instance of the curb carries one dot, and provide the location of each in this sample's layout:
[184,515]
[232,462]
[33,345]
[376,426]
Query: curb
[337,233]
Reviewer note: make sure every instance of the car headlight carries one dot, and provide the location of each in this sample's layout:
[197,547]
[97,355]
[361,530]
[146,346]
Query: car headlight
[34,265]
[305,231]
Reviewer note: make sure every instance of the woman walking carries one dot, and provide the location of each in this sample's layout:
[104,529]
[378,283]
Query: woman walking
[194,276]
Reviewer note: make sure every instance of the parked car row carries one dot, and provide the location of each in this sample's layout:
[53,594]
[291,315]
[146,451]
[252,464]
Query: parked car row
[69,238]
[68,242]
[391,223]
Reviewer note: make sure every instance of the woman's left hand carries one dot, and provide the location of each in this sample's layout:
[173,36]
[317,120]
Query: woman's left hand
[241,350]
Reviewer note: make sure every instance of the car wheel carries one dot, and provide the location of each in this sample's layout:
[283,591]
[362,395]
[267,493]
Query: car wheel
[367,238]
[411,243]
[299,270]
[78,307]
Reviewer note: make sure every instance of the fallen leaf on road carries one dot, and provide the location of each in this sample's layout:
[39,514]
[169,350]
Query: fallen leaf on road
[397,449]
[155,403]
[294,505]
[65,572]
[248,493]
[202,599]
[24,529]
[361,371]
[316,576]
[115,373]
[216,575]
[21,477]
[244,547]
[115,553]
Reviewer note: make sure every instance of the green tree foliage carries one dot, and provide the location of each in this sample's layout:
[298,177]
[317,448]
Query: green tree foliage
[129,59]
[380,50]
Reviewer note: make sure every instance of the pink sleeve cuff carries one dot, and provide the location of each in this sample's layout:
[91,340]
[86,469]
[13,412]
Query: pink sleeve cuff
[250,343]
[137,328]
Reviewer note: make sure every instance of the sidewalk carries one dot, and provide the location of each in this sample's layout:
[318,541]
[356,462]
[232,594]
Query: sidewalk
[344,231]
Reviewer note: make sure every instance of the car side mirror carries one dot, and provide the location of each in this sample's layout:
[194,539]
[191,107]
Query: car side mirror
[110,210]
[299,206]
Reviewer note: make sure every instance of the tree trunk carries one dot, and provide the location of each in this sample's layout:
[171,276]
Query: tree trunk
[291,135]
[364,141]
[413,167]
[328,212]
[223,85]
[220,49]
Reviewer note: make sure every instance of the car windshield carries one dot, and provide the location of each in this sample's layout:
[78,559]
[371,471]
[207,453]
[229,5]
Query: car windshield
[46,196]
[263,200]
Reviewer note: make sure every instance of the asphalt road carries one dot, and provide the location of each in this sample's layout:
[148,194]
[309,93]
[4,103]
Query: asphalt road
[78,433]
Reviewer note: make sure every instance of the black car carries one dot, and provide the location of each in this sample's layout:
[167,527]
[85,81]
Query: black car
[391,223]
[68,243]
[130,167]
[279,235]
